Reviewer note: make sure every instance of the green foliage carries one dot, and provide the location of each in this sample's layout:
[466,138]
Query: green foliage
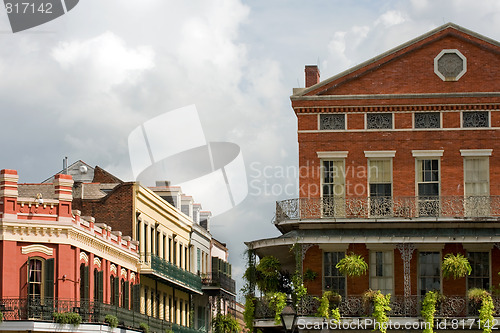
[67,318]
[487,307]
[298,288]
[336,315]
[352,265]
[277,301]
[429,309]
[310,275]
[325,303]
[381,307]
[169,331]
[249,313]
[268,274]
[144,327]
[225,324]
[111,320]
[1,316]
[333,297]
[456,266]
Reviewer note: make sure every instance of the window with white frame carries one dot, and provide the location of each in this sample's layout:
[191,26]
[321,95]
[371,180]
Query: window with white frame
[429,270]
[380,186]
[382,271]
[476,176]
[333,187]
[480,274]
[333,279]
[428,179]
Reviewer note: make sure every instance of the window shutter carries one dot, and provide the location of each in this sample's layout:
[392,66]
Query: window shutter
[117,291]
[126,297]
[49,278]
[86,282]
[28,277]
[215,264]
[101,286]
[136,297]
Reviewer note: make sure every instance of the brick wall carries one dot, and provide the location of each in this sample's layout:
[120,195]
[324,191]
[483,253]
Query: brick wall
[116,209]
[313,260]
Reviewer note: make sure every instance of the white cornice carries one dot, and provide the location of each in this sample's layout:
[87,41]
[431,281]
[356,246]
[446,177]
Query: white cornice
[37,248]
[476,152]
[332,154]
[380,153]
[427,153]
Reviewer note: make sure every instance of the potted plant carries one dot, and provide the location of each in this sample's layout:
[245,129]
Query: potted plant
[456,266]
[477,295]
[333,298]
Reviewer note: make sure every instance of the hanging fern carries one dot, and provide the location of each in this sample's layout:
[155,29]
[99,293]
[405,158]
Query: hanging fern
[456,266]
[352,265]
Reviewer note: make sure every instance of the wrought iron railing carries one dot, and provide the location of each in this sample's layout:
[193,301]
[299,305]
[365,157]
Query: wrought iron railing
[91,312]
[168,270]
[401,306]
[388,207]
[219,279]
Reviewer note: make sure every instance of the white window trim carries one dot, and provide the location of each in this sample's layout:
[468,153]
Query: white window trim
[368,175]
[476,152]
[380,153]
[458,53]
[332,154]
[427,153]
[393,265]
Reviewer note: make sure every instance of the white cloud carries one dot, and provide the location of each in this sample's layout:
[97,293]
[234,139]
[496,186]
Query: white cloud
[105,59]
[390,18]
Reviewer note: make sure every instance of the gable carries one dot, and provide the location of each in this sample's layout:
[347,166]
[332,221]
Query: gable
[410,69]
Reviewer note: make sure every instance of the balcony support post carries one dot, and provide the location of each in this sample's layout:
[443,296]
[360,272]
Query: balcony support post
[406,250]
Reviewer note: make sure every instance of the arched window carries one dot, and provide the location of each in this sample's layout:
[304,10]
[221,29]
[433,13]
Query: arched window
[40,279]
[35,283]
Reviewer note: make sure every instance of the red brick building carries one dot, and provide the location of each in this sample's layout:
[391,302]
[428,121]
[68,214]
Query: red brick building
[54,260]
[400,163]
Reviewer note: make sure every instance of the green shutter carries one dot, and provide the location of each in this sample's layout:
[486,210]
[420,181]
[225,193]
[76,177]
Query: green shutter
[136,297]
[215,264]
[101,286]
[86,282]
[28,277]
[49,278]
[117,291]
[126,291]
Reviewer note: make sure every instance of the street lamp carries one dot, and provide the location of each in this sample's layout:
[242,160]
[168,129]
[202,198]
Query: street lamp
[288,316]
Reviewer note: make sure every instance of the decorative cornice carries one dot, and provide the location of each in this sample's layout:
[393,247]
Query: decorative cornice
[123,273]
[97,262]
[397,108]
[37,248]
[112,268]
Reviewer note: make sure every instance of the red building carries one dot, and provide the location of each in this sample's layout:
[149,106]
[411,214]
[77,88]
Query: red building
[54,260]
[399,163]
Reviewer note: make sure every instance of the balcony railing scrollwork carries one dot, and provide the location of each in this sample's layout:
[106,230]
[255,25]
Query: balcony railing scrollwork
[388,207]
[401,306]
[219,279]
[168,270]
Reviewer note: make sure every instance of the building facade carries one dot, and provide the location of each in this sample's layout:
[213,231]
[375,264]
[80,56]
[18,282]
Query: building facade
[52,259]
[399,163]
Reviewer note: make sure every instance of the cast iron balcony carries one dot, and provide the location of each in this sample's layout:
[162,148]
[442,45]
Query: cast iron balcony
[170,271]
[219,280]
[388,207]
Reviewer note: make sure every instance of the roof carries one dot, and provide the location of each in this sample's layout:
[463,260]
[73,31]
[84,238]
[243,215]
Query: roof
[371,65]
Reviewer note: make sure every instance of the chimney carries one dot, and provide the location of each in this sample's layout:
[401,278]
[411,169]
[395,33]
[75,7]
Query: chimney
[8,192]
[312,75]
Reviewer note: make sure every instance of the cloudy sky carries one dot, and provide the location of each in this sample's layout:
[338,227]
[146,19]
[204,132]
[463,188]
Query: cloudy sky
[78,85]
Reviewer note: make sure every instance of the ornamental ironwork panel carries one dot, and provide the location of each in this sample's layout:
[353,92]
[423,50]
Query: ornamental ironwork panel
[450,65]
[476,119]
[379,120]
[332,122]
[388,207]
[428,120]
